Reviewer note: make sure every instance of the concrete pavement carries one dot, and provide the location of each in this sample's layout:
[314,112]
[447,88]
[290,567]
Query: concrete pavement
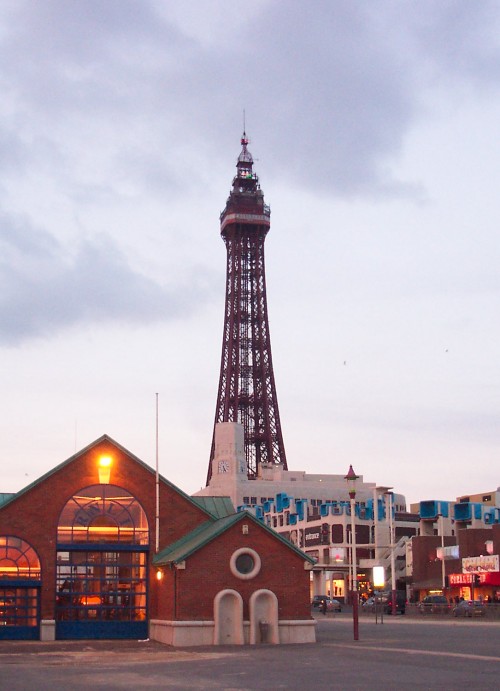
[400,654]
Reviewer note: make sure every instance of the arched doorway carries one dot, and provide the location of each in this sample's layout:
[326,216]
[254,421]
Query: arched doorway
[264,626]
[101,575]
[19,589]
[228,618]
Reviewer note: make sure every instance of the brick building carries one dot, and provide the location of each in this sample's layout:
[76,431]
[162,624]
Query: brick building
[461,565]
[81,557]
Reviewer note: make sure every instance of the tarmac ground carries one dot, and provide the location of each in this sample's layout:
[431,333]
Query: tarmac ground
[401,653]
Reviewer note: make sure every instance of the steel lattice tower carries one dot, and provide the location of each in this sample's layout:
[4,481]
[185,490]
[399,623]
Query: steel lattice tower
[247,392]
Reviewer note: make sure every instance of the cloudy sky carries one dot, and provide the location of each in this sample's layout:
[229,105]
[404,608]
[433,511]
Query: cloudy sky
[375,131]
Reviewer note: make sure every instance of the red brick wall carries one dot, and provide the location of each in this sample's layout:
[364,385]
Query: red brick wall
[34,515]
[426,565]
[472,542]
[207,572]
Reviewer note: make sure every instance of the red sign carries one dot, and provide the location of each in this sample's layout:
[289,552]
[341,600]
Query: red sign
[491,578]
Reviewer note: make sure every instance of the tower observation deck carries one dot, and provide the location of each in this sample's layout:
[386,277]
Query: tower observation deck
[247,392]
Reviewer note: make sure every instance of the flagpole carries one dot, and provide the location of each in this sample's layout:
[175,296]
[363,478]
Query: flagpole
[157,513]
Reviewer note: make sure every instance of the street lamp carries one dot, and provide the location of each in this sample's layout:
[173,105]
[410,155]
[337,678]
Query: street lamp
[387,493]
[351,478]
[443,565]
[390,496]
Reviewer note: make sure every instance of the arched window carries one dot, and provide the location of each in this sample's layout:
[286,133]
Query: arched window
[103,513]
[101,576]
[18,560]
[19,581]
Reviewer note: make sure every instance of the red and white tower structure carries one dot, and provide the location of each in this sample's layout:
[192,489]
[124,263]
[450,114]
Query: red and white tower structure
[247,392]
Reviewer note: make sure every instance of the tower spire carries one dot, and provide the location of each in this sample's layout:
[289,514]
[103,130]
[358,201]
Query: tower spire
[247,391]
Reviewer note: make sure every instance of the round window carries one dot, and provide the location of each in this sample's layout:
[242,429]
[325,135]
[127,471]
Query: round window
[245,563]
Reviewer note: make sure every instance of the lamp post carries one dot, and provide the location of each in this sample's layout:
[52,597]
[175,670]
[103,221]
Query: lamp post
[351,478]
[393,558]
[388,499]
[443,565]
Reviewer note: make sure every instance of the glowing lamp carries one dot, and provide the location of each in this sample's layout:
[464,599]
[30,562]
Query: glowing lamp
[104,467]
[378,577]
[159,575]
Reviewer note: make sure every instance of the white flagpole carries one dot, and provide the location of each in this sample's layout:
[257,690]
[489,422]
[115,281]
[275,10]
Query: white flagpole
[157,516]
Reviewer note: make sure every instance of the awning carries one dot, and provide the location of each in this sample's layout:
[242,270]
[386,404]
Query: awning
[488,578]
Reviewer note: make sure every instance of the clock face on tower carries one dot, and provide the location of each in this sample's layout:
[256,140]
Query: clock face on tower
[223,466]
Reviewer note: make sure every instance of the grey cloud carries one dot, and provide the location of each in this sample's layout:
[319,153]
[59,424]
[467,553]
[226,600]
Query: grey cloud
[332,89]
[44,290]
[461,40]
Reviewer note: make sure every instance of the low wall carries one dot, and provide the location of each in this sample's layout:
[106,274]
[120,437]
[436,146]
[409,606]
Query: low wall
[197,633]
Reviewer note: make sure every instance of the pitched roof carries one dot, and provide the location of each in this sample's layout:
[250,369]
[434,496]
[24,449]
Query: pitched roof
[5,497]
[105,438]
[220,507]
[203,534]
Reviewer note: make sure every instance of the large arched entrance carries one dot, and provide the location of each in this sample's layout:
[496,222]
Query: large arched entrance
[19,589]
[102,555]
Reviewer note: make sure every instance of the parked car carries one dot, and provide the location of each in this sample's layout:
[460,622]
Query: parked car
[469,608]
[434,604]
[400,602]
[334,606]
[382,602]
[331,604]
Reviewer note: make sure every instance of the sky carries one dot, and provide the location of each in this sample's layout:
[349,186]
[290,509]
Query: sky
[374,128]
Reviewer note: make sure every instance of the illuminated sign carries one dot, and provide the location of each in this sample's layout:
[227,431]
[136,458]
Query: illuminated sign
[378,577]
[483,564]
[337,554]
[485,578]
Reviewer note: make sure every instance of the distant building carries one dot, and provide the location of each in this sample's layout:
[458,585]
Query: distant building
[456,551]
[313,512]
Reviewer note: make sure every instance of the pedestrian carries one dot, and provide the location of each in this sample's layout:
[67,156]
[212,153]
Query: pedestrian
[322,606]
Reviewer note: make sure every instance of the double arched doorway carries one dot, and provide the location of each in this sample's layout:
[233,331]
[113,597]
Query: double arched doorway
[101,571]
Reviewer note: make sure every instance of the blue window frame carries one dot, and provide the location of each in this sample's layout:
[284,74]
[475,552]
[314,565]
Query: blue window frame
[101,574]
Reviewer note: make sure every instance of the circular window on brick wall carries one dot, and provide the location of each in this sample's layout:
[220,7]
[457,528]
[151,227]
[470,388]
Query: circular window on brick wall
[245,563]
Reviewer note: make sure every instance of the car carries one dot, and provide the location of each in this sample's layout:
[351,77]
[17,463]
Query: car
[332,605]
[434,604]
[386,599]
[469,608]
[382,602]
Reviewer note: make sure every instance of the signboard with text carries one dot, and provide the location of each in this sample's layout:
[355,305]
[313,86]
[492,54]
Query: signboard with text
[312,536]
[483,564]
[462,579]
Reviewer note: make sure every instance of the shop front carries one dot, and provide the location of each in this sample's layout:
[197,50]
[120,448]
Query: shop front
[475,586]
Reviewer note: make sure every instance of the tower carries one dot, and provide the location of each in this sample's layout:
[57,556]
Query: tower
[247,392]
